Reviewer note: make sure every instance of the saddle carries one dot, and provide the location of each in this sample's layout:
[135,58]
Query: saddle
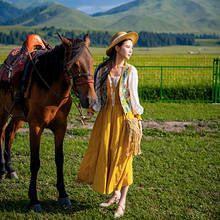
[13,67]
[13,72]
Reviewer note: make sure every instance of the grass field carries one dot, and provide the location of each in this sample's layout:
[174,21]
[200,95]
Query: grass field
[192,83]
[178,83]
[172,55]
[175,177]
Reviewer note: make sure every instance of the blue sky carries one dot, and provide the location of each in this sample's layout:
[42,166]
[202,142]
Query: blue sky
[92,6]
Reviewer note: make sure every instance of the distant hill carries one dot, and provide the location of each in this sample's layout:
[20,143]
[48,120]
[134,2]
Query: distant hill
[58,16]
[92,6]
[87,6]
[7,11]
[29,4]
[194,16]
[165,16]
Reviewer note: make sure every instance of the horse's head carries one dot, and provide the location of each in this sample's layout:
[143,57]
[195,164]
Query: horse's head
[79,65]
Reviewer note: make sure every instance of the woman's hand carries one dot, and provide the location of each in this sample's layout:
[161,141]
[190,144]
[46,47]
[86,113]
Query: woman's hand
[87,117]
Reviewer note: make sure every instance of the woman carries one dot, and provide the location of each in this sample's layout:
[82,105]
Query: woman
[107,164]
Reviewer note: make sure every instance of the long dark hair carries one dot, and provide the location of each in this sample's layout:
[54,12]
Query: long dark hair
[110,62]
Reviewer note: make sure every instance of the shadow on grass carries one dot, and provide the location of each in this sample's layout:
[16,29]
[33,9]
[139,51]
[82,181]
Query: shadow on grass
[48,206]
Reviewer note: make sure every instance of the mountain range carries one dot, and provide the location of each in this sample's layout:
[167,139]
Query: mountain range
[91,7]
[195,16]
[86,6]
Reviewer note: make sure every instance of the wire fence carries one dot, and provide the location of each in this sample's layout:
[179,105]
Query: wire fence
[175,83]
[175,78]
[178,78]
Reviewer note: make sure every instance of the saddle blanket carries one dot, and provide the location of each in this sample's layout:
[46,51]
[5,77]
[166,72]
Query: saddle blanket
[13,66]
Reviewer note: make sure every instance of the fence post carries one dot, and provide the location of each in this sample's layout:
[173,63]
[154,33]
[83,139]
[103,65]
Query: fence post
[213,81]
[218,70]
[216,80]
[161,82]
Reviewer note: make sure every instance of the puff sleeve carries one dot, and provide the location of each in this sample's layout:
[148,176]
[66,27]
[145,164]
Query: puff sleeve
[133,87]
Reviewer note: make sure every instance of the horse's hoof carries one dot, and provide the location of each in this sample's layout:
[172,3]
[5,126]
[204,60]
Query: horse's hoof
[36,208]
[12,175]
[64,201]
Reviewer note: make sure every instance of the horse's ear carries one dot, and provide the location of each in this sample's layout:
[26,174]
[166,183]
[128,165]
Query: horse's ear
[65,41]
[86,40]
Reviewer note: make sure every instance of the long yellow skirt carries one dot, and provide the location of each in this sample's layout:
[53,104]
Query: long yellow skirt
[106,165]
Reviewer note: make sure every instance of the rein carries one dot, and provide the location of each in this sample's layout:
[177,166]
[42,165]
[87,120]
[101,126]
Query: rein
[43,80]
[72,76]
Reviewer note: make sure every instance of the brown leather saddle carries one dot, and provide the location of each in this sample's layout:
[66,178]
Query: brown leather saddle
[12,72]
[13,66]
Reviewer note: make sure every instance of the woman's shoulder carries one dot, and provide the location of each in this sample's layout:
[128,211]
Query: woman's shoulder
[132,68]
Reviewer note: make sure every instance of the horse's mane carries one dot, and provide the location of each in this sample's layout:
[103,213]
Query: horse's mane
[50,64]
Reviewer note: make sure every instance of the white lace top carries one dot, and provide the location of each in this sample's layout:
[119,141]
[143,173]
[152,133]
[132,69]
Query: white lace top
[133,87]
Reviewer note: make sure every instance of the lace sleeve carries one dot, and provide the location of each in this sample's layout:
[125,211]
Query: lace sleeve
[133,87]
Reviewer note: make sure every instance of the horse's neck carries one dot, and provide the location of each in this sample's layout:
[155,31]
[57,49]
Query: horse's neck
[56,60]
[51,67]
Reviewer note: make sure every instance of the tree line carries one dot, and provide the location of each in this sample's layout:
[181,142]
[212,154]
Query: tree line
[102,38]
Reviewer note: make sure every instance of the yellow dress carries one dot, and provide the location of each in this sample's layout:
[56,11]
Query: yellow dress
[106,165]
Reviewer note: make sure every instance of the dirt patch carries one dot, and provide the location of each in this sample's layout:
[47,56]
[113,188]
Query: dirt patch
[88,125]
[168,125]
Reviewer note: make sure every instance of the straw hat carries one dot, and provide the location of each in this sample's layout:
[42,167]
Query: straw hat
[120,36]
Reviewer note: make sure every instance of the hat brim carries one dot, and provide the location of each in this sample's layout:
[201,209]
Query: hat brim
[133,36]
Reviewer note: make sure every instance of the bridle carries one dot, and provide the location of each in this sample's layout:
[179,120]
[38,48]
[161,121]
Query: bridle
[73,77]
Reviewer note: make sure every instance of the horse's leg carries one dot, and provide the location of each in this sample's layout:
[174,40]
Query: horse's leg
[35,134]
[59,133]
[10,132]
[3,121]
[2,161]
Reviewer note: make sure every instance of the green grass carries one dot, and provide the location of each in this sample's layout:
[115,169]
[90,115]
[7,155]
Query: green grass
[206,48]
[181,111]
[184,77]
[175,177]
[207,42]
[178,82]
[160,111]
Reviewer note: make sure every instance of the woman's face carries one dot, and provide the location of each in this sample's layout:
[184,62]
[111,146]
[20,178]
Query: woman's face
[126,49]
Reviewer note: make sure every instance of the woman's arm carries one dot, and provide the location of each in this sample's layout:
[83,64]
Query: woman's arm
[133,87]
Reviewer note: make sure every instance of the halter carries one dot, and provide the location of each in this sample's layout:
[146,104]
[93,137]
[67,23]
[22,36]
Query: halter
[76,76]
[72,77]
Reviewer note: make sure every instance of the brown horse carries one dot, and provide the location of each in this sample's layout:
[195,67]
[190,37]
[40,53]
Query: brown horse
[48,102]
